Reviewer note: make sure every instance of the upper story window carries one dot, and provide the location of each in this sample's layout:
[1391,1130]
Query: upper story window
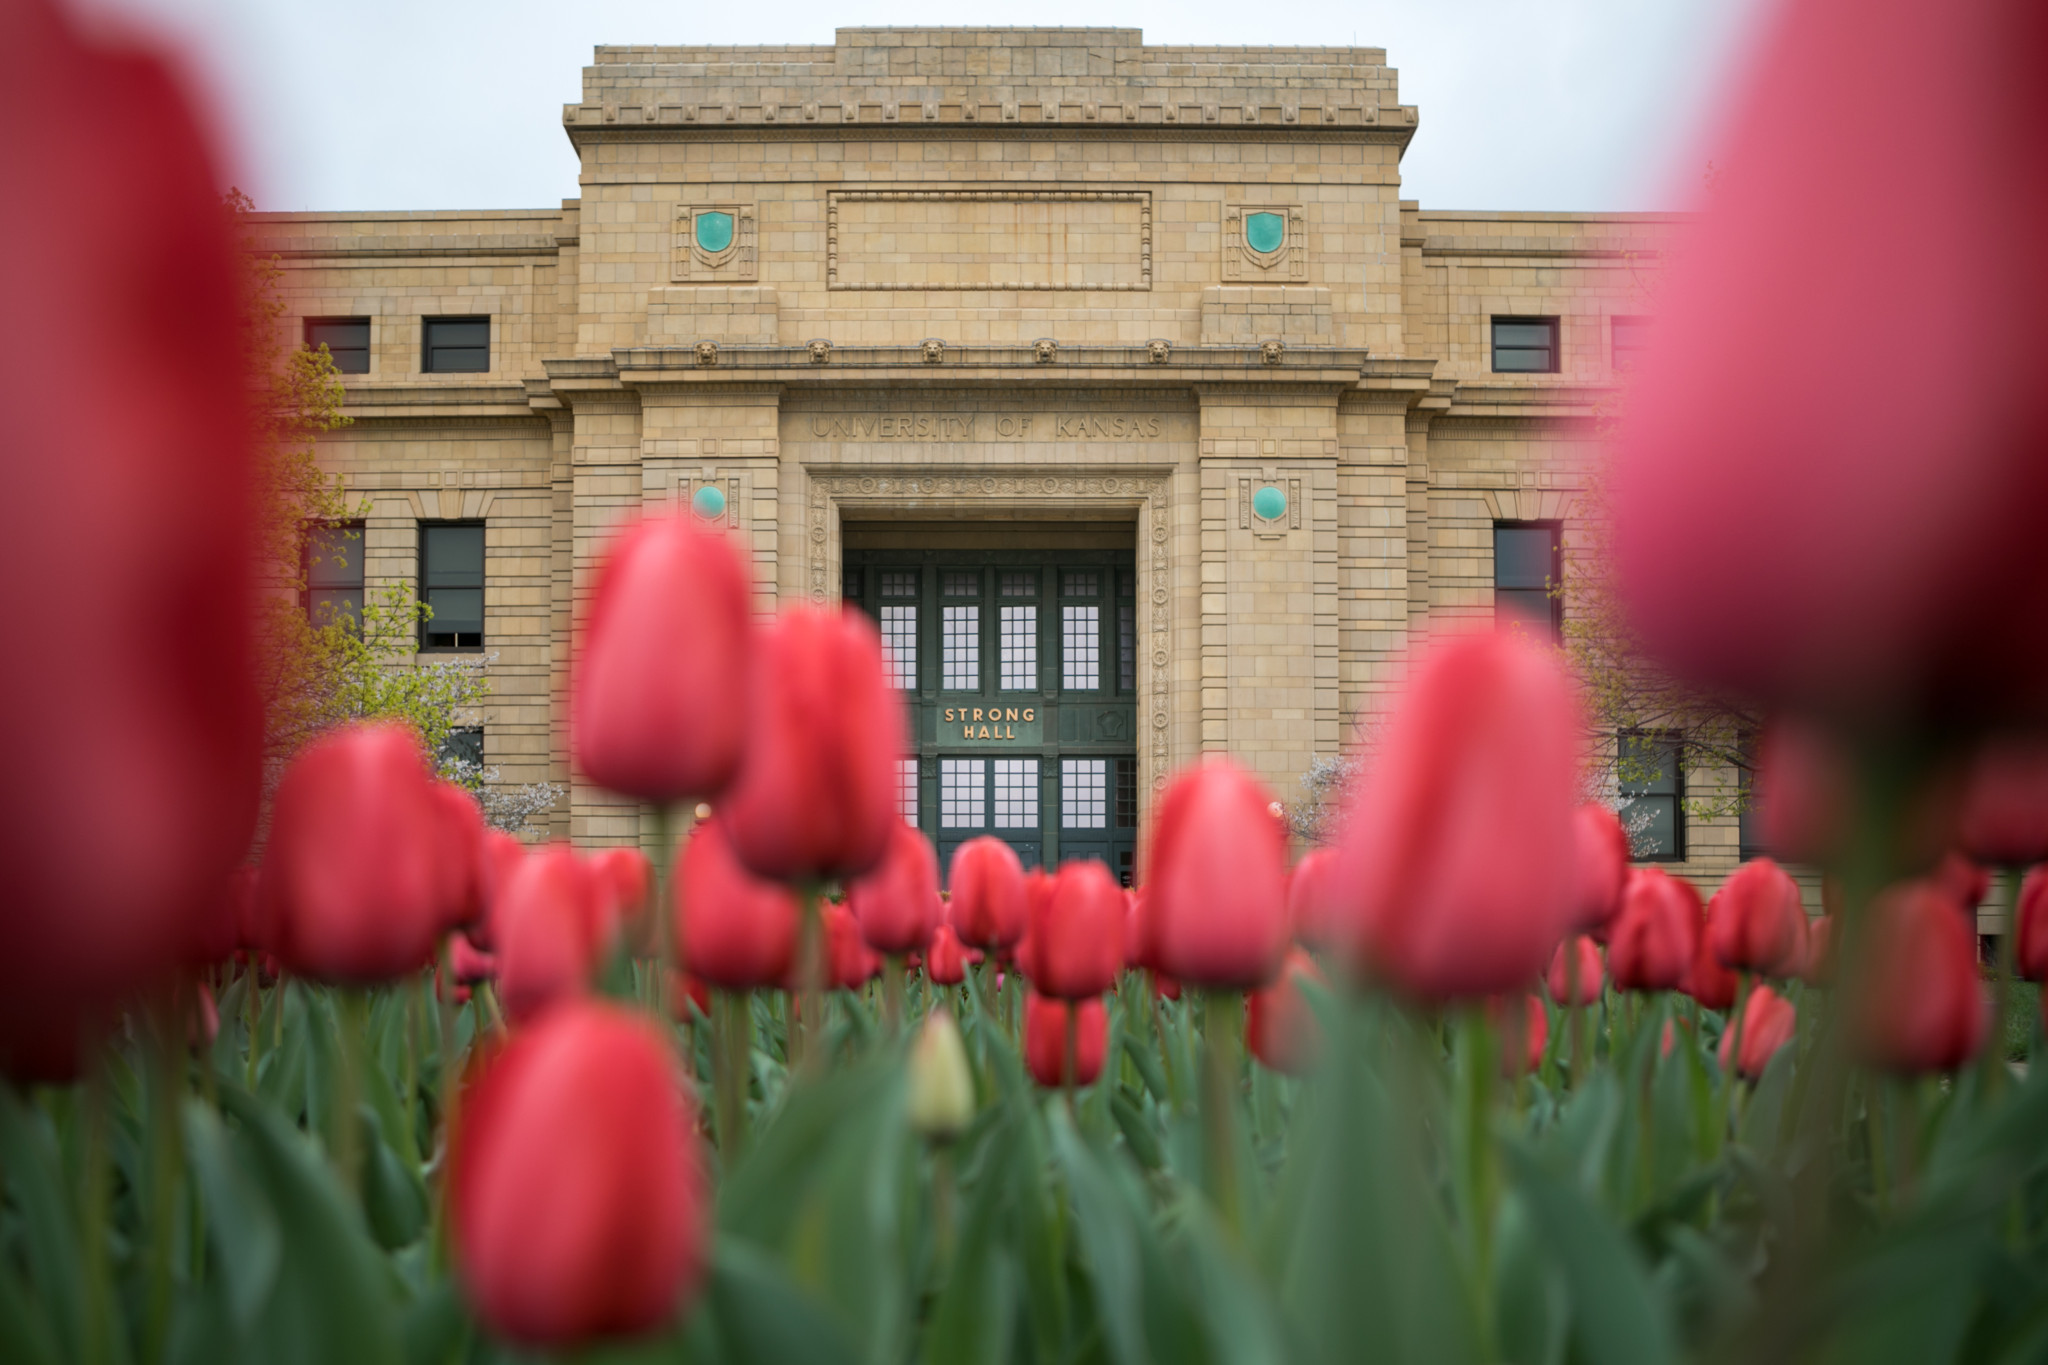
[334,574]
[1749,823]
[1528,564]
[1525,345]
[1626,337]
[346,339]
[452,584]
[455,345]
[1653,795]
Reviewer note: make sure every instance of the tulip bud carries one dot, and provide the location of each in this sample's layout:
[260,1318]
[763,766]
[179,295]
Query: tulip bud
[1802,793]
[685,991]
[1524,1030]
[462,839]
[1315,902]
[624,880]
[1818,969]
[1761,924]
[1280,1028]
[1768,1023]
[946,961]
[1458,852]
[739,931]
[816,797]
[1216,882]
[468,963]
[2004,815]
[941,1086]
[548,926]
[1077,933]
[354,886]
[1921,1007]
[849,962]
[659,691]
[1652,942]
[897,903]
[2032,945]
[1045,1039]
[497,859]
[987,883]
[577,1196]
[1578,953]
[1602,866]
[1708,982]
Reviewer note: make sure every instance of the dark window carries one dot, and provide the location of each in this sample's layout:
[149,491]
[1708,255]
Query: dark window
[1653,795]
[849,589]
[1528,564]
[455,345]
[1749,837]
[1525,345]
[334,574]
[1627,338]
[1126,633]
[465,744]
[1127,793]
[452,583]
[346,339]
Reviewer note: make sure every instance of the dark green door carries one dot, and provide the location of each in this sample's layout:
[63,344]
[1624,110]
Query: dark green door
[1020,669]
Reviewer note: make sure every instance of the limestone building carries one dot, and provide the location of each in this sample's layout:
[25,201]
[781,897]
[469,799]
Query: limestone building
[1117,382]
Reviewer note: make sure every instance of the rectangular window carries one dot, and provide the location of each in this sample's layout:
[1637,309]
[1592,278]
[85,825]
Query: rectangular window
[334,574]
[1749,835]
[898,583]
[1079,583]
[1080,647]
[963,796]
[1084,793]
[849,585]
[1127,793]
[961,583]
[906,789]
[1019,585]
[346,339]
[1126,634]
[1016,793]
[1020,648]
[962,649]
[464,744]
[1626,338]
[1525,345]
[1653,795]
[455,345]
[452,584]
[1528,564]
[899,646]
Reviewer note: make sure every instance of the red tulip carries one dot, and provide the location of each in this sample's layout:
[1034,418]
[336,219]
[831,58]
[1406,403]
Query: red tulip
[1077,933]
[1280,1028]
[625,890]
[1965,882]
[947,963]
[128,712]
[2004,815]
[1603,856]
[1037,897]
[1524,1032]
[354,886]
[498,858]
[232,913]
[1315,901]
[202,1018]
[659,692]
[816,798]
[849,962]
[462,841]
[1652,942]
[2032,945]
[548,932]
[897,903]
[469,964]
[1802,793]
[1564,987]
[1708,982]
[987,883]
[1045,1038]
[1216,880]
[578,1198]
[1165,987]
[1459,853]
[684,991]
[738,931]
[1760,924]
[1768,1023]
[1921,1007]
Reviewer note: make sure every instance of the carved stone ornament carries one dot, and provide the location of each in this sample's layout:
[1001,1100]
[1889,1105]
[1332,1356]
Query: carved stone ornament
[821,351]
[1265,243]
[713,243]
[707,353]
[934,350]
[1045,350]
[1159,351]
[1269,351]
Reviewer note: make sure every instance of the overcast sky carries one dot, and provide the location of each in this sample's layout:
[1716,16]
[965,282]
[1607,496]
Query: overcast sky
[421,104]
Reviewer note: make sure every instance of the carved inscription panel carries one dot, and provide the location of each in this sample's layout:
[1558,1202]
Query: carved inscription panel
[989,239]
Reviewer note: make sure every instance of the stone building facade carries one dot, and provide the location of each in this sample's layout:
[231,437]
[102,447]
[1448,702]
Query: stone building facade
[1124,371]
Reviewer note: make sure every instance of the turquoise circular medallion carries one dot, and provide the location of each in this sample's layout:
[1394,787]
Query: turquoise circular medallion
[1269,503]
[708,502]
[714,230]
[1263,232]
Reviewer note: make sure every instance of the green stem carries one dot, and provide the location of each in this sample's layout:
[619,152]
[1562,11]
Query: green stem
[1165,1052]
[942,1208]
[805,1036]
[1224,1024]
[667,911]
[1070,1056]
[1993,1060]
[252,1013]
[352,1010]
[892,995]
[732,1049]
[1481,1180]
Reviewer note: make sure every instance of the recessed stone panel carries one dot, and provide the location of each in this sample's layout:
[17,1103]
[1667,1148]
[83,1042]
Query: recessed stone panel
[989,239]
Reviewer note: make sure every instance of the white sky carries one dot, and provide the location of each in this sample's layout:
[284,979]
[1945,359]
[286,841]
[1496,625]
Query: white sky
[420,104]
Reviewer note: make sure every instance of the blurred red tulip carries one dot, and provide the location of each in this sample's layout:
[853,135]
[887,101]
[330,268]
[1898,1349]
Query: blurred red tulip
[1459,856]
[1652,942]
[849,962]
[1801,792]
[1962,880]
[1165,987]
[1759,921]
[128,712]
[202,1018]
[685,990]
[354,886]
[1948,619]
[548,932]
[1921,1007]
[1045,1038]
[624,879]
[1768,1023]
[577,1197]
[738,931]
[469,963]
[2032,945]
[897,902]
[1584,988]
[1819,967]
[1216,880]
[462,847]
[987,883]
[1708,982]
[1315,902]
[1602,866]
[660,688]
[1077,933]
[497,859]
[1280,1028]
[2004,815]
[1524,1028]
[228,918]
[946,964]
[816,797]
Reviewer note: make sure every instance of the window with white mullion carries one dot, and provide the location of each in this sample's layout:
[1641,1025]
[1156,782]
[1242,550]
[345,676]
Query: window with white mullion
[906,789]
[1020,648]
[961,649]
[899,646]
[963,795]
[1084,793]
[1081,647]
[1016,793]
